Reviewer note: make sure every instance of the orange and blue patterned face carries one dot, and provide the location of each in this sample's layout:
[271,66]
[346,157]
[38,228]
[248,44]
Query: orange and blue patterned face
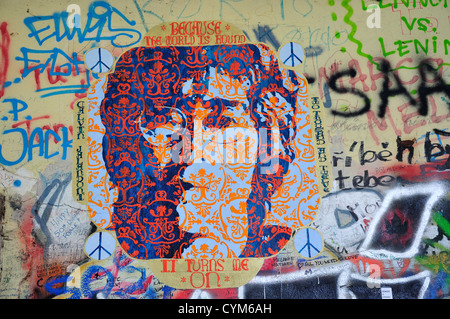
[198,140]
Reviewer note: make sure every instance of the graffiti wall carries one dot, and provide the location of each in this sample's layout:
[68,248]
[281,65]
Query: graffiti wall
[189,149]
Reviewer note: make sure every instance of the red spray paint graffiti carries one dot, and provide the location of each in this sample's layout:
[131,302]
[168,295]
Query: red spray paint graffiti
[4,56]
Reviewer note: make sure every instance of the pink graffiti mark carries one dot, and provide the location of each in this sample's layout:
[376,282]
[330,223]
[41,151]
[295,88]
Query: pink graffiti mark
[5,41]
[28,123]
[118,263]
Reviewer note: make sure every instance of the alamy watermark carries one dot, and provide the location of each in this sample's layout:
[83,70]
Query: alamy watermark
[74,18]
[374,19]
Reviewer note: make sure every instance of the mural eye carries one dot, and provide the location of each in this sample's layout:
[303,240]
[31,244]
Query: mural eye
[345,218]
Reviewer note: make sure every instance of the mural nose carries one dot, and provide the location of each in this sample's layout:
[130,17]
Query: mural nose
[199,175]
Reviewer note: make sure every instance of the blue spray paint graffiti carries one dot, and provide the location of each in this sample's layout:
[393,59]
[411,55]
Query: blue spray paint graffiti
[29,139]
[95,25]
[114,276]
[54,28]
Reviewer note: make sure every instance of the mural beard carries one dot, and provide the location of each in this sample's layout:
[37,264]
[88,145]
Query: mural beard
[156,100]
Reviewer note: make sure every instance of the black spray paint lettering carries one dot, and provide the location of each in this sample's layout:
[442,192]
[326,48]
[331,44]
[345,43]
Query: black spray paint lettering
[332,83]
[393,88]
[365,156]
[364,181]
[402,146]
[442,150]
[431,150]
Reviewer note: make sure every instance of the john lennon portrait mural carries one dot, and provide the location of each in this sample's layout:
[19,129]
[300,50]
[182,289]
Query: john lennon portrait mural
[207,149]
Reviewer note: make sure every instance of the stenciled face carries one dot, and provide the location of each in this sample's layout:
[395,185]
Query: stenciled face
[197,142]
[217,179]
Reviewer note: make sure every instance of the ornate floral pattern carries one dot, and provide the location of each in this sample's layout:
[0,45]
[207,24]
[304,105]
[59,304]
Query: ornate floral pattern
[208,150]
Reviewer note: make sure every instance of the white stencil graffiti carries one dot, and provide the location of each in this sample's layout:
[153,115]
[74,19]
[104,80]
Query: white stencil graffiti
[430,193]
